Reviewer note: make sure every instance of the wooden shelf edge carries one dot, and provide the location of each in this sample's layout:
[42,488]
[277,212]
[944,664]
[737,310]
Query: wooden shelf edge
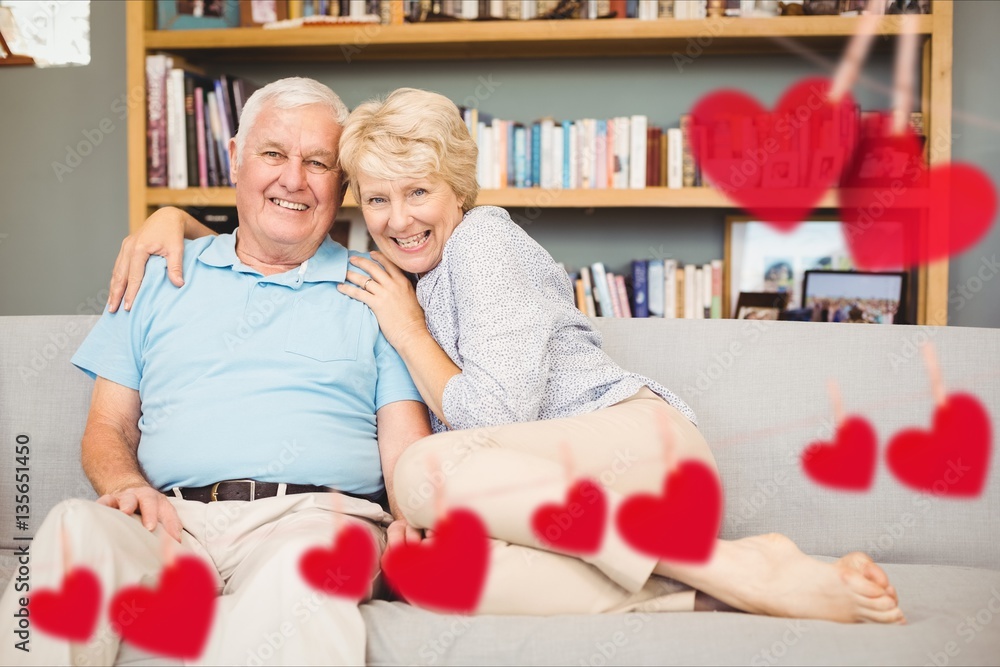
[510,197]
[522,32]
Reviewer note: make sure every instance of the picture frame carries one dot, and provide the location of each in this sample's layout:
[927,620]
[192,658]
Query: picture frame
[873,297]
[197,14]
[259,12]
[760,258]
[761,305]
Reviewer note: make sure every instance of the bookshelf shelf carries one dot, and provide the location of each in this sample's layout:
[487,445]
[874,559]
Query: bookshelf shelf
[542,39]
[516,39]
[509,197]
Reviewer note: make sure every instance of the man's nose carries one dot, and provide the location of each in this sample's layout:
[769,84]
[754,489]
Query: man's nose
[293,175]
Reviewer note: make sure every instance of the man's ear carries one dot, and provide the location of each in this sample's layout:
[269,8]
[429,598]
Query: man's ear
[343,191]
[232,160]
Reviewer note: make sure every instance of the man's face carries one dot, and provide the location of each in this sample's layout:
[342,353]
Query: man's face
[288,185]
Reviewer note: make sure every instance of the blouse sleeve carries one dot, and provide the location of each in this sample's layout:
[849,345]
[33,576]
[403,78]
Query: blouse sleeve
[505,322]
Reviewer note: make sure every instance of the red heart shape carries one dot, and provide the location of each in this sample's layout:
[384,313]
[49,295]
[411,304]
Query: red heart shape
[897,213]
[680,525]
[346,569]
[446,572]
[952,458]
[173,619]
[776,165]
[70,612]
[846,463]
[577,526]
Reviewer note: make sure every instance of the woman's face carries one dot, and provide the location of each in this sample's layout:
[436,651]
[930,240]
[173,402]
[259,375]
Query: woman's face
[410,219]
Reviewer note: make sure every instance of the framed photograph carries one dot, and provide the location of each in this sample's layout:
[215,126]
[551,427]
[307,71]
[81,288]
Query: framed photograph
[259,12]
[197,14]
[857,296]
[760,258]
[761,305]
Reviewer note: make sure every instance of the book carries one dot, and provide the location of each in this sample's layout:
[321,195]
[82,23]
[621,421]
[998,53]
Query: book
[637,152]
[690,290]
[687,157]
[675,169]
[190,131]
[716,289]
[654,280]
[616,305]
[156,120]
[199,116]
[214,170]
[640,288]
[588,292]
[679,295]
[670,288]
[177,176]
[623,299]
[602,296]
[706,291]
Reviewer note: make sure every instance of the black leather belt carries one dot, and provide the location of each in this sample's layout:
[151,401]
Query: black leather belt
[243,489]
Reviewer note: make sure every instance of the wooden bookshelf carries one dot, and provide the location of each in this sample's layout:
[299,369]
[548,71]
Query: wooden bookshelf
[540,39]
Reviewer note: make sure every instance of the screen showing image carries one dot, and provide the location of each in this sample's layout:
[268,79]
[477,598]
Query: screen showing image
[855,297]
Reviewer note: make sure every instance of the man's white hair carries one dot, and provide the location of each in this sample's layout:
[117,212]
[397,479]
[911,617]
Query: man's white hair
[290,93]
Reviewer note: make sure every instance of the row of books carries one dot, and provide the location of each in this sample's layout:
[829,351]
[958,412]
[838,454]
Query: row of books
[190,119]
[618,153]
[656,288]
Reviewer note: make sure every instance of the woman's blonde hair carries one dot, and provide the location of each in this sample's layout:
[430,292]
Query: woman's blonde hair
[411,134]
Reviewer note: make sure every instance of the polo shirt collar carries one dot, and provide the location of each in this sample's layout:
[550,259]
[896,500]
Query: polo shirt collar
[328,264]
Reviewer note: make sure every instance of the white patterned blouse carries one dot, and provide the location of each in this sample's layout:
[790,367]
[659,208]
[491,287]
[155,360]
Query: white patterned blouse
[503,310]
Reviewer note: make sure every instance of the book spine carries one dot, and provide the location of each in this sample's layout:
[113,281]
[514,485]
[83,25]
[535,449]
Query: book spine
[574,155]
[546,154]
[190,132]
[681,293]
[623,296]
[156,121]
[690,289]
[588,292]
[199,116]
[640,288]
[219,143]
[687,157]
[675,172]
[602,296]
[616,305]
[706,291]
[623,139]
[535,171]
[670,288]
[221,100]
[176,143]
[601,154]
[637,152]
[558,160]
[654,279]
[716,289]
[214,169]
[520,158]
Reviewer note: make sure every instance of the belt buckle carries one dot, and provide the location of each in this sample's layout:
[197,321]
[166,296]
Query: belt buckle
[215,488]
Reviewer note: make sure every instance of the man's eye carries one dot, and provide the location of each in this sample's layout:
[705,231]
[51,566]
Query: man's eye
[317,165]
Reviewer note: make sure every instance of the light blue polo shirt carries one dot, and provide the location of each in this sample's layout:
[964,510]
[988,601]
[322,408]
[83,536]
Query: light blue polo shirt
[274,378]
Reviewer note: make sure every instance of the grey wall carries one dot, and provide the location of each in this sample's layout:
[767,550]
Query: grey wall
[62,236]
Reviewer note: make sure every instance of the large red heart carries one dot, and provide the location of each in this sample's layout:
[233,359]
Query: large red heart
[846,463]
[346,569]
[680,525]
[776,165]
[576,527]
[897,213]
[71,612]
[173,619]
[953,457]
[446,572]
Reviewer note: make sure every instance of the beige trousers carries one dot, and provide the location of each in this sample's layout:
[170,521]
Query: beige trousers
[505,473]
[267,614]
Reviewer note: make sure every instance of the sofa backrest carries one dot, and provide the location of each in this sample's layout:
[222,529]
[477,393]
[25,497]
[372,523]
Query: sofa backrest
[759,390]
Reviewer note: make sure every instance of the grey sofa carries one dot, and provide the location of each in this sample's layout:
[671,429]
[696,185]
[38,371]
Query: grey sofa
[760,391]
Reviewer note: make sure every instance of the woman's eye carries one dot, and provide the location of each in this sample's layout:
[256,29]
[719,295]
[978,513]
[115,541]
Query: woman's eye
[419,192]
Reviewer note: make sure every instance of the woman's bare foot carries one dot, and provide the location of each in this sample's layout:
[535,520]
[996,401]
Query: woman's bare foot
[768,574]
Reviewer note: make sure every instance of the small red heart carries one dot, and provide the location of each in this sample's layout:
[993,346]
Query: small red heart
[897,213]
[173,619]
[952,458]
[846,463]
[776,165]
[446,572]
[576,527]
[680,525]
[71,612]
[346,569]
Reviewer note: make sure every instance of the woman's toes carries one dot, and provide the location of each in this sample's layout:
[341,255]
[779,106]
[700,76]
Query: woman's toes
[891,590]
[860,584]
[894,615]
[876,574]
[881,603]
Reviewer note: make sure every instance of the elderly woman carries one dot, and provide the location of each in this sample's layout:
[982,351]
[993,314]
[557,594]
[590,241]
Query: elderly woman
[524,402]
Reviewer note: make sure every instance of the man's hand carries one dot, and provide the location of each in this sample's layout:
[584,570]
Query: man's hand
[153,507]
[400,532]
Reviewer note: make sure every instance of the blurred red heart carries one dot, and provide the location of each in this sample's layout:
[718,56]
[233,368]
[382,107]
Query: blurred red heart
[897,213]
[174,618]
[680,525]
[577,526]
[776,165]
[846,463]
[953,457]
[445,572]
[347,568]
[70,612]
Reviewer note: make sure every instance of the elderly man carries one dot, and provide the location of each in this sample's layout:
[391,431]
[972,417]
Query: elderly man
[256,381]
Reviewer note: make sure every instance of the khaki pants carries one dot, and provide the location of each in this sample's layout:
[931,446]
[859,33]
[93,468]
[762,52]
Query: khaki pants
[267,613]
[505,473]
